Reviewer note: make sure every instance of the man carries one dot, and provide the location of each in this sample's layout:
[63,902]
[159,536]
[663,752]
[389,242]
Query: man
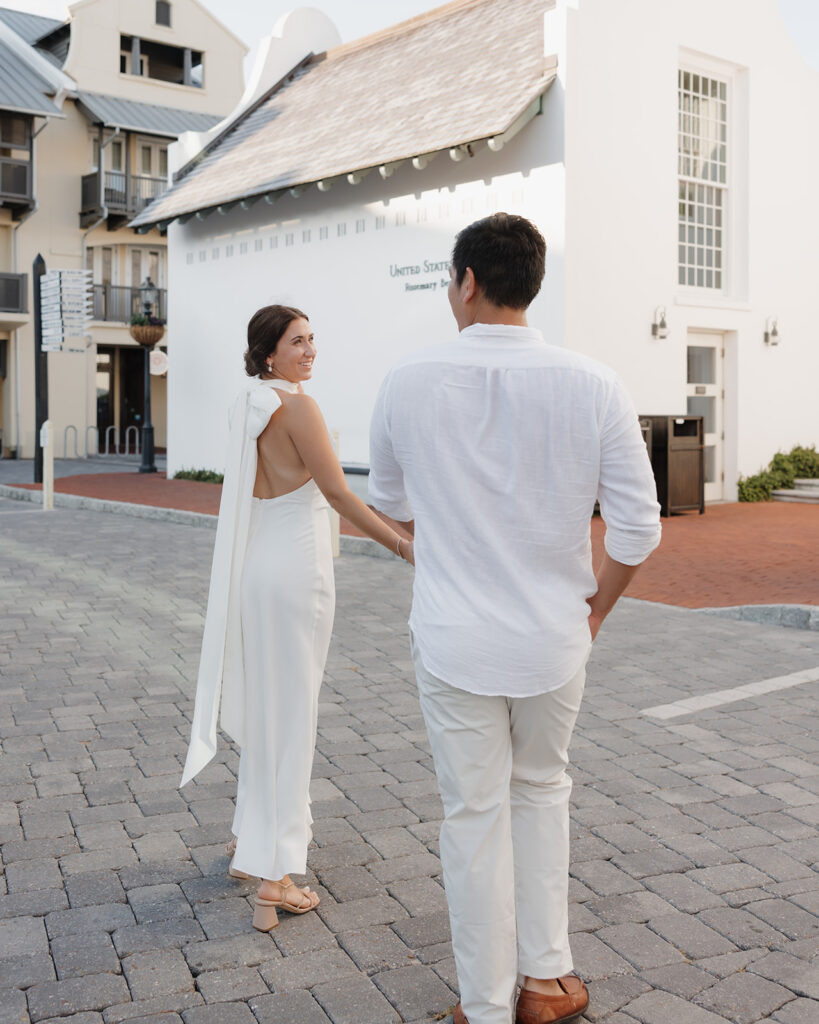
[491,451]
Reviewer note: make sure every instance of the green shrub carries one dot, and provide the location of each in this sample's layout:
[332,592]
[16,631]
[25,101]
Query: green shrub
[757,487]
[782,470]
[805,462]
[205,476]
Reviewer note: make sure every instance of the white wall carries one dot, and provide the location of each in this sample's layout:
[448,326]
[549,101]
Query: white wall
[609,215]
[364,317]
[621,148]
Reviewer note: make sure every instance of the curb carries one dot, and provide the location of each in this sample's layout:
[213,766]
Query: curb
[348,545]
[793,616]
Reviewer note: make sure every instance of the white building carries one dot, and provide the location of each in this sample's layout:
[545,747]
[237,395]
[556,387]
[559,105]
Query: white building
[88,108]
[666,150]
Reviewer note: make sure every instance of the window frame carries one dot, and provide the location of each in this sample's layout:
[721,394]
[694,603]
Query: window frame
[167,5]
[723,75]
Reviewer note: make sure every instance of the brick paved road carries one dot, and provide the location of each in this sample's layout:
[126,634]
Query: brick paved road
[695,898]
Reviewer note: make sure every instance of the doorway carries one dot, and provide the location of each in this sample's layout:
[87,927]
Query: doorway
[705,396]
[132,393]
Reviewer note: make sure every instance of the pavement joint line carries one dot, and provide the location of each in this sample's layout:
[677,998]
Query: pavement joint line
[744,692]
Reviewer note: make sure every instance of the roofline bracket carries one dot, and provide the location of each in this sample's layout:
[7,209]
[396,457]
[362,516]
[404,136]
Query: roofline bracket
[497,142]
[387,170]
[421,161]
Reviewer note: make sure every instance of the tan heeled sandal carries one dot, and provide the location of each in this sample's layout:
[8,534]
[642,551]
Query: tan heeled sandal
[265,916]
[230,849]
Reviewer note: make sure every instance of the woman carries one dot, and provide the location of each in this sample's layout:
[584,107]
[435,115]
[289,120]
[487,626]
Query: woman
[270,607]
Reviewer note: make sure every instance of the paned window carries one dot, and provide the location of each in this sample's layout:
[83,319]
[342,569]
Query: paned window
[163,13]
[702,168]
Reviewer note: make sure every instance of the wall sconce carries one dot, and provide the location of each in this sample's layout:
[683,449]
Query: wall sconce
[771,334]
[659,328]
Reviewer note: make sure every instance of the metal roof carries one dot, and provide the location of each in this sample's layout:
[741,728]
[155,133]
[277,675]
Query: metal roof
[29,27]
[129,115]
[22,90]
[468,72]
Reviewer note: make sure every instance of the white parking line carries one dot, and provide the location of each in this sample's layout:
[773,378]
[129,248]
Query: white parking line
[713,700]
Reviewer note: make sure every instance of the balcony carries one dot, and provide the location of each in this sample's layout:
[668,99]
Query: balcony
[13,301]
[16,192]
[124,196]
[117,304]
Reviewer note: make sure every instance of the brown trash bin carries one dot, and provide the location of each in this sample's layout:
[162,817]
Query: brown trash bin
[678,460]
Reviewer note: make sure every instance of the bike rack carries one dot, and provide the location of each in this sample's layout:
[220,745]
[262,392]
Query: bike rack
[96,436]
[65,441]
[108,430]
[136,435]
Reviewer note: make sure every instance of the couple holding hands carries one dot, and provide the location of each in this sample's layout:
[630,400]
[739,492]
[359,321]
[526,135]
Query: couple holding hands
[487,454]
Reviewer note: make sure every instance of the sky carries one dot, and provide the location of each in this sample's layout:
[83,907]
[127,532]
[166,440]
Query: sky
[251,20]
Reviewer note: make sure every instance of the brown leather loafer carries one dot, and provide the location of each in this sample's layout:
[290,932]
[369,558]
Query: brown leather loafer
[534,1008]
[458,1016]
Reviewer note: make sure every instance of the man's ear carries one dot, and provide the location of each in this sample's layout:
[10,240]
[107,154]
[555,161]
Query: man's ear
[469,286]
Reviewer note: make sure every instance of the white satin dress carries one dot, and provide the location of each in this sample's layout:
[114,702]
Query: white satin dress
[287,602]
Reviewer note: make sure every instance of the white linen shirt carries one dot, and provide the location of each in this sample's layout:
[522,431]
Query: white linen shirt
[497,445]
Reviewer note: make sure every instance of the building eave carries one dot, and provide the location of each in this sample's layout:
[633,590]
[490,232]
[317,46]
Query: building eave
[459,149]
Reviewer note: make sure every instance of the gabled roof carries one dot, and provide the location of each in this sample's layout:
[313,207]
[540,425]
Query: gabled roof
[113,112]
[29,27]
[472,70]
[22,90]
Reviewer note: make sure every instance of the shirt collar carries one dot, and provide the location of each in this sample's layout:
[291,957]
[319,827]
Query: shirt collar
[502,334]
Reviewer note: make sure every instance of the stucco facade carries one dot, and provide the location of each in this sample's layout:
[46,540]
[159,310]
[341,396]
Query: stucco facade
[70,232]
[598,171]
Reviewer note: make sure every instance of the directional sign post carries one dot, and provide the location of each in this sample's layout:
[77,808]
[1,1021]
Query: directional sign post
[66,310]
[62,314]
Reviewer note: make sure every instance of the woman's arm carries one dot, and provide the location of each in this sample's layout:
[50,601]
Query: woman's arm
[309,434]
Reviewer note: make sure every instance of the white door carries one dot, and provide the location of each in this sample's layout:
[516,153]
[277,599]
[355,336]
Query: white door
[705,395]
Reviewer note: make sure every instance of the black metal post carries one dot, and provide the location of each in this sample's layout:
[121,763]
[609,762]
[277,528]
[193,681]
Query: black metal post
[148,465]
[38,268]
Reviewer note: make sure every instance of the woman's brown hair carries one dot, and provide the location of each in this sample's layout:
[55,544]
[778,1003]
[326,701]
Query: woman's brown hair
[266,327]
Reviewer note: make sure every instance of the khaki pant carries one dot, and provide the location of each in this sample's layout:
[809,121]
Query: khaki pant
[501,767]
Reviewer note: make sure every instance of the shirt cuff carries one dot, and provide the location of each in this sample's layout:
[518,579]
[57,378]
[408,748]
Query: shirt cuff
[396,509]
[631,547]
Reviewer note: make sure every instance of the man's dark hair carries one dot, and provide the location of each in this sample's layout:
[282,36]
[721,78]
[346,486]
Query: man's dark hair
[507,255]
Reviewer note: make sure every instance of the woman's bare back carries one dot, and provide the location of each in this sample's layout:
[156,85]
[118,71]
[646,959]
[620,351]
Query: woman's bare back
[280,468]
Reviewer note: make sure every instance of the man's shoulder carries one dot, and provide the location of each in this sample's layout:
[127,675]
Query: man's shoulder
[545,356]
[429,354]
[557,357]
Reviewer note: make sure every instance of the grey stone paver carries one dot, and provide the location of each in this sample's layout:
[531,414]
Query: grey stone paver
[800,1011]
[694,892]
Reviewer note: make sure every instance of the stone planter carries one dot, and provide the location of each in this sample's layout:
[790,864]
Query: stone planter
[147,334]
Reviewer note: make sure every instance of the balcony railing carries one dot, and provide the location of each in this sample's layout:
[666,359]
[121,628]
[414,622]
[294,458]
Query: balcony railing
[118,304]
[121,193]
[15,180]
[13,292]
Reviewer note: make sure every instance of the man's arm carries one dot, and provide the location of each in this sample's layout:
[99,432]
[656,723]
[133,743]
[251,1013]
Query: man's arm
[612,579]
[387,495]
[406,529]
[628,504]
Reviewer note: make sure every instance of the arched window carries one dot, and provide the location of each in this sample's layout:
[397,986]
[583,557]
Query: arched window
[163,13]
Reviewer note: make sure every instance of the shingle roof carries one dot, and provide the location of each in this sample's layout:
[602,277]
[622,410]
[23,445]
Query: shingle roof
[30,27]
[459,74]
[129,115]
[21,88]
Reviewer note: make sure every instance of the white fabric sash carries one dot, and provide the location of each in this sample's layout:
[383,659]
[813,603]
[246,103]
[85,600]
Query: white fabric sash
[221,670]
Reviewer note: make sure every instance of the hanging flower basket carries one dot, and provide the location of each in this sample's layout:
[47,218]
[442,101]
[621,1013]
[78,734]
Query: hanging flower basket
[147,334]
